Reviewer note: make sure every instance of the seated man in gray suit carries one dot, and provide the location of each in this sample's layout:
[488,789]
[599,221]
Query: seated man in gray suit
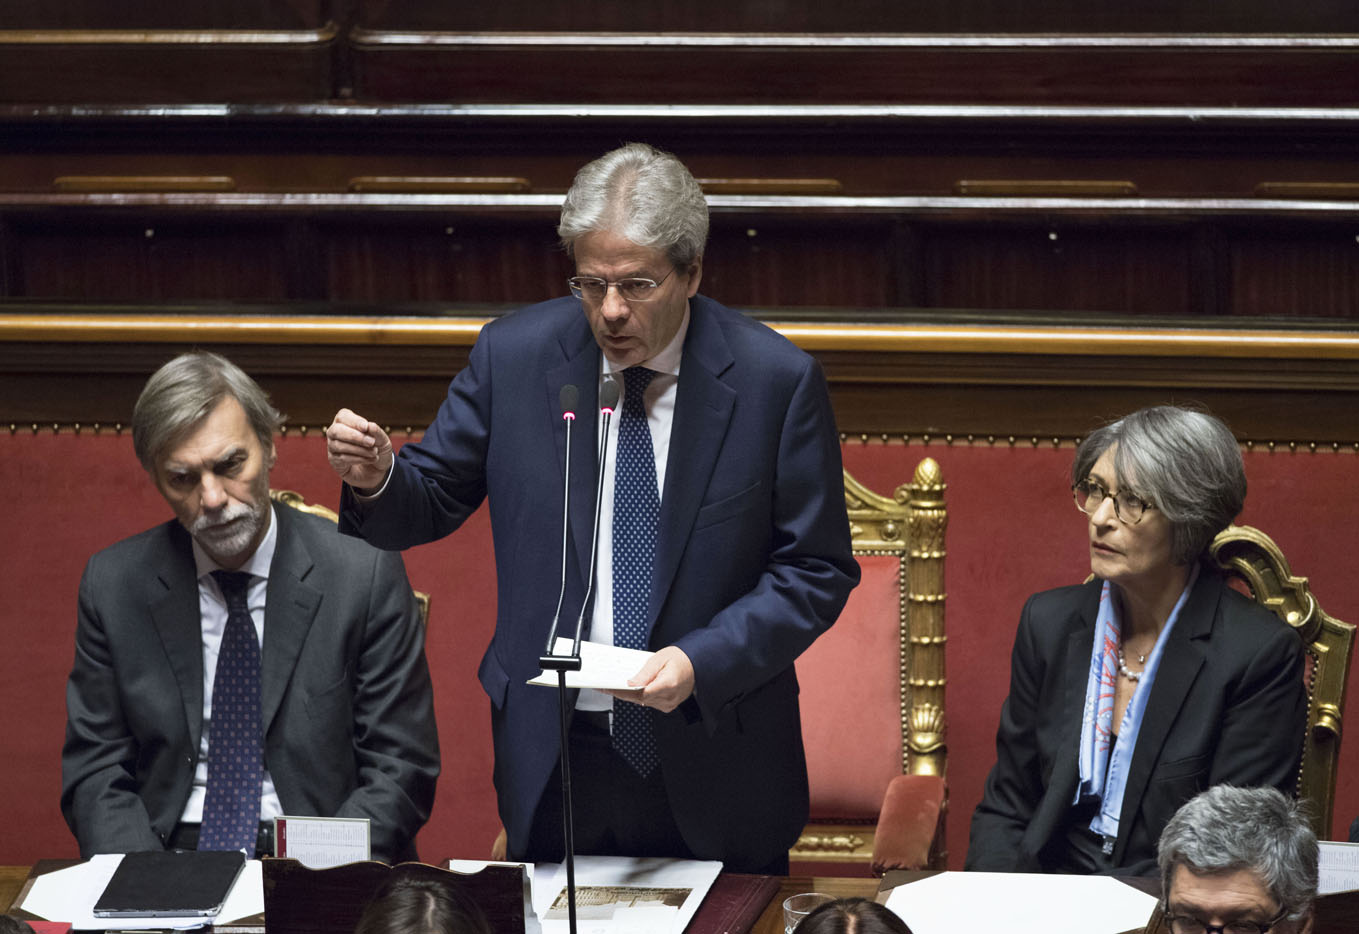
[243,660]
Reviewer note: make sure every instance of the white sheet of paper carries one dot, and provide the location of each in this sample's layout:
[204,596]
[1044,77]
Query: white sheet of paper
[1020,903]
[323,842]
[1339,867]
[602,667]
[695,875]
[69,895]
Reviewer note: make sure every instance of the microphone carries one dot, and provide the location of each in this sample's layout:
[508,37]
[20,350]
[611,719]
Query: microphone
[608,401]
[568,400]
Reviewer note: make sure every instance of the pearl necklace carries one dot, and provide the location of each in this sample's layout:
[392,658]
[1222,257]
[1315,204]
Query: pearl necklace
[1123,666]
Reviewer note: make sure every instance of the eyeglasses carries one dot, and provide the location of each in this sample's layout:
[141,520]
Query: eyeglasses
[632,289]
[1188,924]
[1129,507]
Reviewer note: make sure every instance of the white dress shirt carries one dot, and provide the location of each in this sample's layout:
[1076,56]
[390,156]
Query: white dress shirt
[212,613]
[659,400]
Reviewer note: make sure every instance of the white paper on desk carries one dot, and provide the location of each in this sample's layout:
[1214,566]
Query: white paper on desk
[1339,867]
[602,667]
[69,895]
[626,872]
[1021,903]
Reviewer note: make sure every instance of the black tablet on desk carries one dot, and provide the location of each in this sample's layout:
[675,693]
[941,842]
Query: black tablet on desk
[170,884]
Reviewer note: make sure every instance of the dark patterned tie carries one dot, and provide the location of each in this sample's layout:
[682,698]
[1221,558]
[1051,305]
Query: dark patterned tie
[636,516]
[231,811]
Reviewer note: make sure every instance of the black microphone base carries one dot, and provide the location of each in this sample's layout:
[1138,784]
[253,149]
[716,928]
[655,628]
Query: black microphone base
[559,662]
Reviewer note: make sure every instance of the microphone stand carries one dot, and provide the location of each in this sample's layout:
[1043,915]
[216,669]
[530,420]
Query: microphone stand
[550,660]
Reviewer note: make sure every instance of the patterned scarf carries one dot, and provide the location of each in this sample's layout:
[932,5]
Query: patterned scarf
[1103,775]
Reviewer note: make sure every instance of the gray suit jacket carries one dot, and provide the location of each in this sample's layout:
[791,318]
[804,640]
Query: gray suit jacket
[347,703]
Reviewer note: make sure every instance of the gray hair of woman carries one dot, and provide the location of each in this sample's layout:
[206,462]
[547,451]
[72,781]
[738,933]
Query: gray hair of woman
[1259,829]
[184,391]
[642,194]
[1185,463]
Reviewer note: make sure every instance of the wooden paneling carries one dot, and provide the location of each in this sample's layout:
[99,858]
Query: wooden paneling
[867,16]
[453,257]
[754,261]
[155,258]
[789,69]
[81,15]
[1312,273]
[1181,257]
[870,151]
[165,66]
[1073,266]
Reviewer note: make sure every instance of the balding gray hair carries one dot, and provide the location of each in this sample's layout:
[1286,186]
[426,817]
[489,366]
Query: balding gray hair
[642,194]
[1259,829]
[183,392]
[1184,462]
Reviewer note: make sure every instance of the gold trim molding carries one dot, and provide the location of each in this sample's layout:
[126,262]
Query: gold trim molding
[1224,343]
[907,440]
[949,439]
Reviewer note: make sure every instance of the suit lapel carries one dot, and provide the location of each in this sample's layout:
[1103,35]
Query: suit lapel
[1180,664]
[703,410]
[580,367]
[174,610]
[290,606]
[1074,672]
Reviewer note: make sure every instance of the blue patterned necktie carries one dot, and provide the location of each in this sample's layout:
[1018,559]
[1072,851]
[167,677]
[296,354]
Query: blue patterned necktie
[636,517]
[231,811]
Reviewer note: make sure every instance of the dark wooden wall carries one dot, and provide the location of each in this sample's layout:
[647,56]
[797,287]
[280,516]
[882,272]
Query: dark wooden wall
[1140,215]
[1158,159]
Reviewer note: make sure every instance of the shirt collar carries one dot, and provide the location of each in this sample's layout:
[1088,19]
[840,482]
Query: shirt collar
[257,564]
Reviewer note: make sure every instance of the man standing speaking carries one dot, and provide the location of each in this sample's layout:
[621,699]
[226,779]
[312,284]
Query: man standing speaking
[724,544]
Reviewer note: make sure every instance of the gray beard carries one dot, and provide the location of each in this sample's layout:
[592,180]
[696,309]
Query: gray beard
[231,541]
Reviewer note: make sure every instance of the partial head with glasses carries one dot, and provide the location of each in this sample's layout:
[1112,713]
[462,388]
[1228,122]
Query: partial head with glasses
[1238,861]
[634,221]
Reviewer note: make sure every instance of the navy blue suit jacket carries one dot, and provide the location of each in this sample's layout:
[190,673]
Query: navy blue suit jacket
[753,560]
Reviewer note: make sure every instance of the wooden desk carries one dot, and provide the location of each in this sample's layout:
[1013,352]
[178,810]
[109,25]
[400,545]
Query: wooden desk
[771,921]
[11,881]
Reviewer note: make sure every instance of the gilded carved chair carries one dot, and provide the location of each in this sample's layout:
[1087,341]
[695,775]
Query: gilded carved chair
[873,691]
[295,500]
[1250,556]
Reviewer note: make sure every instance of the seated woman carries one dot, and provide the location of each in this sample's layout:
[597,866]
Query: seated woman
[1132,692]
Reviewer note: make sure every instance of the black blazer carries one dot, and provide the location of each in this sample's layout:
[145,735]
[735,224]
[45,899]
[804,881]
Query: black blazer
[1229,705]
[347,702]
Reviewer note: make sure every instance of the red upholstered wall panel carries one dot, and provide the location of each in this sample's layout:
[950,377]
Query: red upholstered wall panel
[851,675]
[75,494]
[1012,530]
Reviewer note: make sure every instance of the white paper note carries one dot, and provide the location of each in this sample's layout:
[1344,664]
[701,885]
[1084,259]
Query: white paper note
[1339,867]
[323,842]
[1020,903]
[603,667]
